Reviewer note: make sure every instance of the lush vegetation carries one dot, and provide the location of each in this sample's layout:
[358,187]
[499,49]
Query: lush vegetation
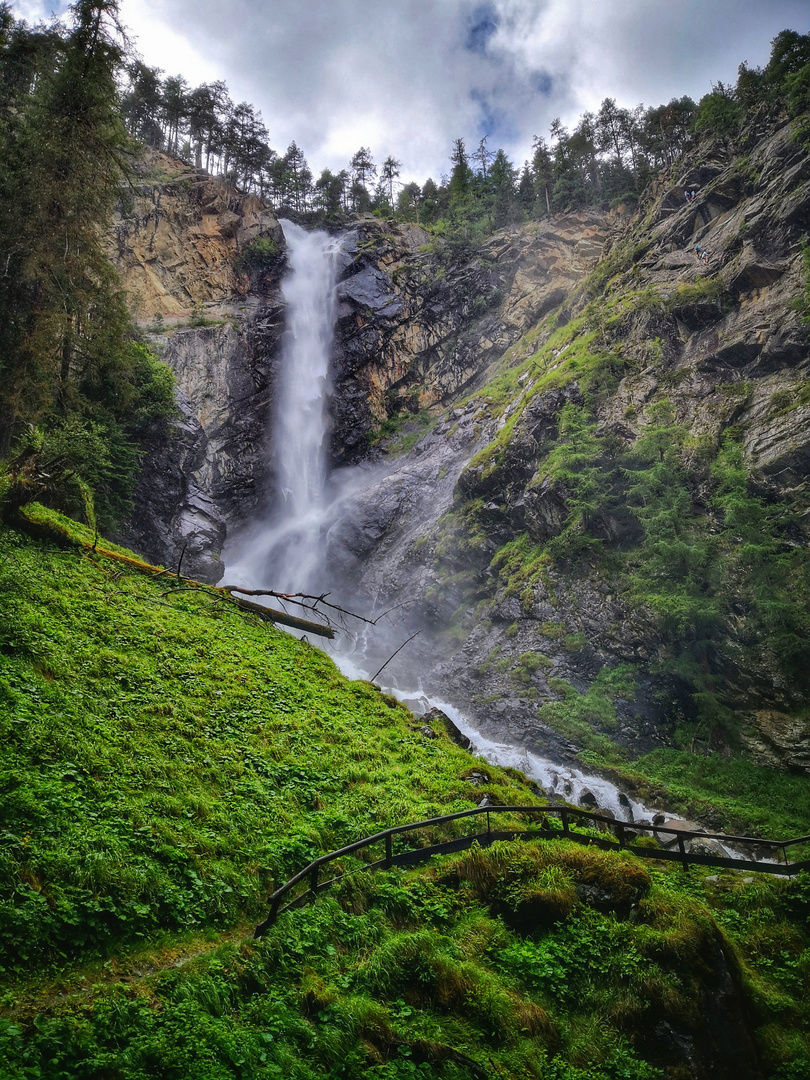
[77,387]
[164,760]
[167,759]
[670,521]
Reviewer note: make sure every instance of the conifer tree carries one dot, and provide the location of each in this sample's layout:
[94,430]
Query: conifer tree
[68,360]
[388,175]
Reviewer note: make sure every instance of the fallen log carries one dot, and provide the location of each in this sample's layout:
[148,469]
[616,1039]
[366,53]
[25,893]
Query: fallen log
[273,615]
[51,530]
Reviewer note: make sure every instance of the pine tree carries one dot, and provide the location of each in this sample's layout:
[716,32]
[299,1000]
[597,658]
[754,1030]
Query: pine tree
[461,176]
[363,170]
[388,175]
[68,360]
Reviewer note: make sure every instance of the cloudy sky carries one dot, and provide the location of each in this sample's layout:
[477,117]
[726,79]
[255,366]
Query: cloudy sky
[407,77]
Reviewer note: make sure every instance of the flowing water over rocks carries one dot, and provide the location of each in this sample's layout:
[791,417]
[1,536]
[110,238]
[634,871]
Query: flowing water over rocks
[426,531]
[316,519]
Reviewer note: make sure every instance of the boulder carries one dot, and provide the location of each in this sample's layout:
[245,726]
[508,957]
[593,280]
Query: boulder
[674,826]
[452,730]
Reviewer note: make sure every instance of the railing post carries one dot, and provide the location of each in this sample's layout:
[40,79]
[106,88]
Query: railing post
[489,832]
[787,864]
[271,918]
[388,849]
[682,850]
[313,879]
[621,835]
[564,816]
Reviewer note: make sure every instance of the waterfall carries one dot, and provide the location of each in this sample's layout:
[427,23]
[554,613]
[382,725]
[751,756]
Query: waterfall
[286,551]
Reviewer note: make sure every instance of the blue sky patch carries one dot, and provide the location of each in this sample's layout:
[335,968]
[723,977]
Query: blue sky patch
[542,82]
[481,25]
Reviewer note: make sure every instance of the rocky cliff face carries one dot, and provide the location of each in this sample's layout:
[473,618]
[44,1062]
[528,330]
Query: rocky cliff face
[178,235]
[416,327]
[421,324]
[208,302]
[480,361]
[465,525]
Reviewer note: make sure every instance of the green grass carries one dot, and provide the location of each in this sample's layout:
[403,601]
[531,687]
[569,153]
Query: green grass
[400,433]
[741,796]
[588,718]
[522,961]
[167,760]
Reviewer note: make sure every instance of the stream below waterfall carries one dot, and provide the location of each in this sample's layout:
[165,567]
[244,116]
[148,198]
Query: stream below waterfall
[286,546]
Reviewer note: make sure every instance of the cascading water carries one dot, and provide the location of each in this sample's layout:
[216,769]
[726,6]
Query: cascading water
[287,550]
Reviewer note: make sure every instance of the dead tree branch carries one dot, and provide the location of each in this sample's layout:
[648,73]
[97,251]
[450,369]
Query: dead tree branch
[393,654]
[311,603]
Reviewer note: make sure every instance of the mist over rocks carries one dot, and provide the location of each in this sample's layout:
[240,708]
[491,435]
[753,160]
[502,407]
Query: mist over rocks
[452,350]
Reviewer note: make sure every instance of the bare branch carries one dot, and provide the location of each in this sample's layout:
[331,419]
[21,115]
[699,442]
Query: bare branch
[302,598]
[393,654]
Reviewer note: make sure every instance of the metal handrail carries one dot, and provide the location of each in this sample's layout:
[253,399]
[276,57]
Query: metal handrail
[620,828]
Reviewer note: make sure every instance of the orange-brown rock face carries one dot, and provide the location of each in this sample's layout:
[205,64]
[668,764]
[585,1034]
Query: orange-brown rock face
[178,236]
[181,244]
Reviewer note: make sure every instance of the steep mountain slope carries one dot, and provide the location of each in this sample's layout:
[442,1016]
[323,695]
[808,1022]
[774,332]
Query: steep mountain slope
[167,760]
[603,531]
[621,511]
[417,325]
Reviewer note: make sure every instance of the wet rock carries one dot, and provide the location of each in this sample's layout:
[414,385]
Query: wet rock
[427,732]
[588,799]
[707,847]
[545,508]
[673,827]
[595,896]
[452,730]
[371,290]
[413,333]
[779,740]
[416,706]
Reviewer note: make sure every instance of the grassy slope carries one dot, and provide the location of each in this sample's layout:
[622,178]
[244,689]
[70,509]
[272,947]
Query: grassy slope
[166,759]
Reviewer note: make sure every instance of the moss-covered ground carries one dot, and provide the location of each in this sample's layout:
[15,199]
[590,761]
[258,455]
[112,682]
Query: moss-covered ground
[167,760]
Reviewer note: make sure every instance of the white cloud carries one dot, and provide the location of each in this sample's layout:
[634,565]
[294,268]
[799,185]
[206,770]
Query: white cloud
[407,77]
[164,43]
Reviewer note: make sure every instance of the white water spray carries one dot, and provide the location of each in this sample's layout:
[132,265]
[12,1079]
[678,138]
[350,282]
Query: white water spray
[288,551]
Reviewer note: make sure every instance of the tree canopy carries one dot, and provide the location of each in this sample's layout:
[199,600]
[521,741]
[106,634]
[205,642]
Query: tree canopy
[75,382]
